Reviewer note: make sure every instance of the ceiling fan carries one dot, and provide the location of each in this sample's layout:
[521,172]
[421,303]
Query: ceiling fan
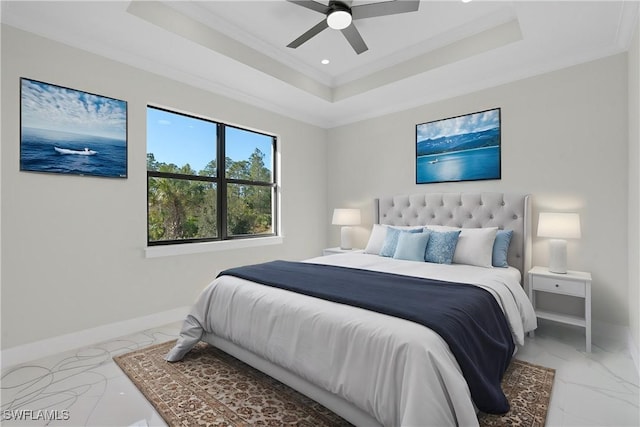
[339,15]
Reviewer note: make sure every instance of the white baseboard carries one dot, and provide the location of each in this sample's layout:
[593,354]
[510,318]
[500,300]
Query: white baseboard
[39,349]
[617,332]
[621,334]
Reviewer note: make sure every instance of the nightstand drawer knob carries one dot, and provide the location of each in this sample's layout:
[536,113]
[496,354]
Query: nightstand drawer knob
[557,286]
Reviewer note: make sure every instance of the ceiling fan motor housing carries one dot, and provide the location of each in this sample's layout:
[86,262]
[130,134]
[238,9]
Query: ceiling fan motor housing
[338,16]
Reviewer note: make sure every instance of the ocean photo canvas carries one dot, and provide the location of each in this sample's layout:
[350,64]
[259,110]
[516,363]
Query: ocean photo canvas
[462,148]
[69,131]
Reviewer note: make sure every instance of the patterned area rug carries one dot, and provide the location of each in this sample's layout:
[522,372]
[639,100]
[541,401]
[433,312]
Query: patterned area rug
[210,388]
[528,388]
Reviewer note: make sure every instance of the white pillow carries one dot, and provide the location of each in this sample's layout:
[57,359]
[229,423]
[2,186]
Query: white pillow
[376,239]
[475,245]
[379,233]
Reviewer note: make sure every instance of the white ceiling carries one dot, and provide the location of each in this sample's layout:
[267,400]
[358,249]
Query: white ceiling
[238,48]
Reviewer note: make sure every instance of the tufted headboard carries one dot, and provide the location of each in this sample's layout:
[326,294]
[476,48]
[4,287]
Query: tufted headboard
[471,210]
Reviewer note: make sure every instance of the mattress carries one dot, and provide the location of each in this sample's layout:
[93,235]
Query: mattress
[397,371]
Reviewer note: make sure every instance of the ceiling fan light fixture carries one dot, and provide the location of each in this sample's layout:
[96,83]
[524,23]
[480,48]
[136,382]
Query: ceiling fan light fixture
[339,19]
[339,14]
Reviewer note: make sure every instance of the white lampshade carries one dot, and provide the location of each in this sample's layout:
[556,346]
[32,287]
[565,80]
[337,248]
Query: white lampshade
[339,19]
[559,225]
[346,217]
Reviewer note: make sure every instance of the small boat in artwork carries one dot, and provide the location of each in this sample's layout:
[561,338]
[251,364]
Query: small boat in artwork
[85,152]
[433,161]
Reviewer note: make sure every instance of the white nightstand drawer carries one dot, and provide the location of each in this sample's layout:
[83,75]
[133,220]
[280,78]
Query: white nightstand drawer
[560,286]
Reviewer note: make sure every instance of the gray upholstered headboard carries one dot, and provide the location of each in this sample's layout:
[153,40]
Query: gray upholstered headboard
[473,210]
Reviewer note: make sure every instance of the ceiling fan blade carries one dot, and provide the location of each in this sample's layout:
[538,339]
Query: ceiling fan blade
[385,8]
[310,33]
[315,6]
[355,39]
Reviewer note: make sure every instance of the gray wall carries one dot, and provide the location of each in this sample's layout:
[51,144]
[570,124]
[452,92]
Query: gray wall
[570,138]
[564,141]
[634,190]
[73,247]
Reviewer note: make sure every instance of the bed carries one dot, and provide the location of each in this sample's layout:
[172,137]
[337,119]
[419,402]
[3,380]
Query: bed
[369,367]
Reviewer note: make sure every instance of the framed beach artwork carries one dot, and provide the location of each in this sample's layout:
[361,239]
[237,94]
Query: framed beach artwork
[69,131]
[462,148]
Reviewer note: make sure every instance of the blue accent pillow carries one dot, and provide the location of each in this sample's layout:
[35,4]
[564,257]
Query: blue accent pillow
[391,240]
[412,246]
[501,248]
[441,246]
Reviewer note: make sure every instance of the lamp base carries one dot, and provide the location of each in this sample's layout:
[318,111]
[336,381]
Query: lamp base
[345,238]
[558,256]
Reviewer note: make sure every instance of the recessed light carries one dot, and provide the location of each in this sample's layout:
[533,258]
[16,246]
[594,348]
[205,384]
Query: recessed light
[325,61]
[466,1]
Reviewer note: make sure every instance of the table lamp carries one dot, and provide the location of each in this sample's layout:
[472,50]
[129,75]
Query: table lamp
[346,218]
[558,226]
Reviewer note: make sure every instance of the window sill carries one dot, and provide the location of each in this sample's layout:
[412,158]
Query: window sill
[196,248]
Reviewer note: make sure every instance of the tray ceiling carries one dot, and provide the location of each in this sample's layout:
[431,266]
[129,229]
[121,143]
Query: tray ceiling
[238,48]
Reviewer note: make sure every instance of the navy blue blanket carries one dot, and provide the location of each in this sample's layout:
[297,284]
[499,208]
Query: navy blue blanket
[468,318]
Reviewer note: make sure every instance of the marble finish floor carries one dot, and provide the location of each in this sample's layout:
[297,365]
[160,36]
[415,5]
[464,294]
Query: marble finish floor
[86,388]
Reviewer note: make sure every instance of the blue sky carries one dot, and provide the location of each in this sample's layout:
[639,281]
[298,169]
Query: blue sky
[175,138]
[459,125]
[45,106]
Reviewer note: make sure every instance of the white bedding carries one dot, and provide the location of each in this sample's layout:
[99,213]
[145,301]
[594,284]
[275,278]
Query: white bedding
[398,371]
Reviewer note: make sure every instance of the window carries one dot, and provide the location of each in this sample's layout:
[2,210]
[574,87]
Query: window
[207,181]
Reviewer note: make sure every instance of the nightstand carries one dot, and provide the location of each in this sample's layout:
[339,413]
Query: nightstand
[573,283]
[331,251]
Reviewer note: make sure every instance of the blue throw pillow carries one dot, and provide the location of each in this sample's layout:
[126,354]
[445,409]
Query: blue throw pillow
[501,248]
[441,246]
[412,246]
[391,240]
